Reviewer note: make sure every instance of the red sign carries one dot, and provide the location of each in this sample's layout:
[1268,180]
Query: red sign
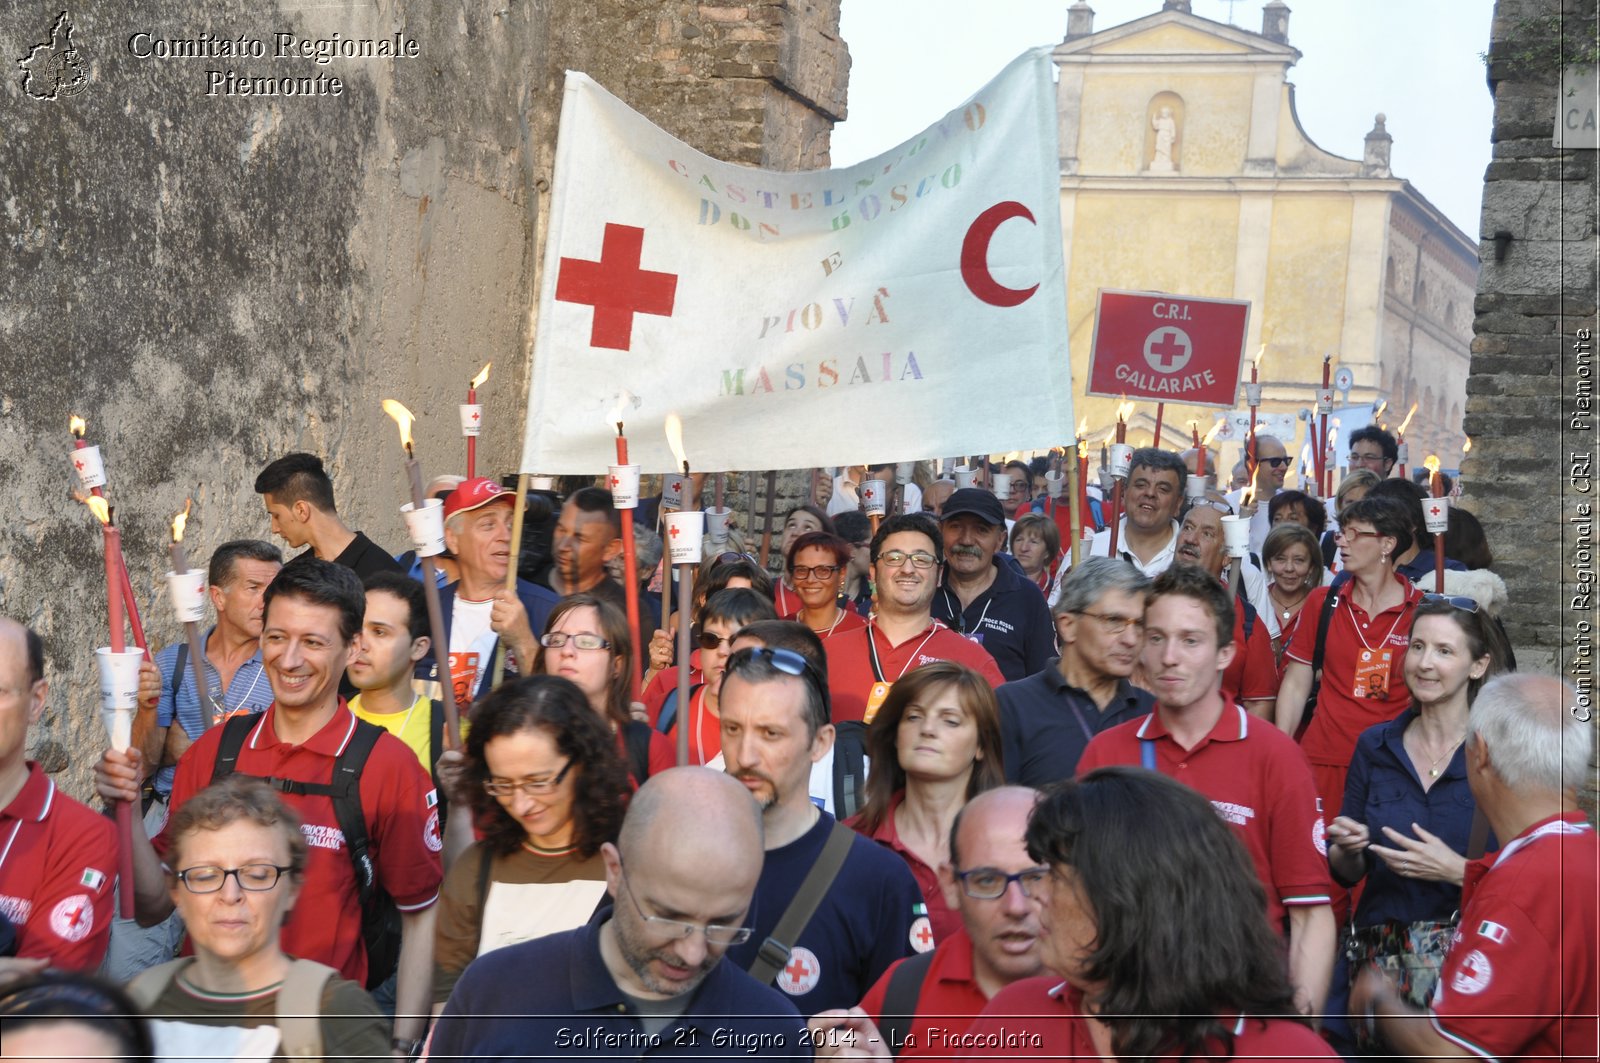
[1168,348]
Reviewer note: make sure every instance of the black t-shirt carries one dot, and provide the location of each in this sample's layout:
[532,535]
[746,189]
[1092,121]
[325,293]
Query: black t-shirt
[362,556]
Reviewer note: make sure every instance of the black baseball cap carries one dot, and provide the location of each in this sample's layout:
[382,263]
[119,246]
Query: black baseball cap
[976,501]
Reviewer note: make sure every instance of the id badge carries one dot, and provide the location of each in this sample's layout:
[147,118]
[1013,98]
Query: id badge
[875,700]
[1372,674]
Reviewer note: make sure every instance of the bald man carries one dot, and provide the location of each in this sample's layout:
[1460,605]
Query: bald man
[1272,464]
[1520,980]
[647,972]
[57,858]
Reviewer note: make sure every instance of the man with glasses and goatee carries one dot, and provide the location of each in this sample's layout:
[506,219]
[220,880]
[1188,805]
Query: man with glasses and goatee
[907,556]
[648,974]
[832,908]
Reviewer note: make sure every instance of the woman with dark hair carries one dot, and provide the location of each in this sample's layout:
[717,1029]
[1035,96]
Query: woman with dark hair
[1293,563]
[546,788]
[1363,651]
[716,573]
[1299,508]
[933,746]
[1418,560]
[816,566]
[1408,812]
[1153,914]
[797,522]
[64,1015]
[719,619]
[1036,544]
[587,640]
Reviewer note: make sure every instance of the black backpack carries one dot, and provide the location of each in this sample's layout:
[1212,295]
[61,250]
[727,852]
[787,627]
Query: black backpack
[380,919]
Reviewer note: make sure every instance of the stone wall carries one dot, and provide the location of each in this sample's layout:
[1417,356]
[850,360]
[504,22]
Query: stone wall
[1536,297]
[214,280]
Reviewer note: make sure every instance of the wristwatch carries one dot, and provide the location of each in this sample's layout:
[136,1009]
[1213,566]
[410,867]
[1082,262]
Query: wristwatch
[411,1049]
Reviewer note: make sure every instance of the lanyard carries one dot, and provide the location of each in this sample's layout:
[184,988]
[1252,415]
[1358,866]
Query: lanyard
[872,651]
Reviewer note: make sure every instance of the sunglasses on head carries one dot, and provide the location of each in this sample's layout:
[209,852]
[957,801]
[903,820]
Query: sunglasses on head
[1457,601]
[786,661]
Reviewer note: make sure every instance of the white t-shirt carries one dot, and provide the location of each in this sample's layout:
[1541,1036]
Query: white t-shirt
[472,642]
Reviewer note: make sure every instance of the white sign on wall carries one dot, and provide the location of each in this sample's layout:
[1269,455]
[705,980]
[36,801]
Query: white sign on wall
[1576,107]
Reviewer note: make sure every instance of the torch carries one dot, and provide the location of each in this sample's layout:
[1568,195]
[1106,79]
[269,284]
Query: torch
[90,469]
[472,419]
[1121,459]
[187,590]
[1324,407]
[624,482]
[1252,398]
[682,548]
[426,524]
[119,686]
[1400,440]
[1436,516]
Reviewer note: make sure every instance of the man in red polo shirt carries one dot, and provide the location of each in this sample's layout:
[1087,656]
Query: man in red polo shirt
[932,998]
[313,611]
[57,858]
[907,553]
[1254,774]
[1520,980]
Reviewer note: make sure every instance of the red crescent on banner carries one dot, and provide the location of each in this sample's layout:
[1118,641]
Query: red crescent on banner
[975,256]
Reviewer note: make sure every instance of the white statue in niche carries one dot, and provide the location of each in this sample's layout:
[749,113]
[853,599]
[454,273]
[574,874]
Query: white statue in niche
[1166,128]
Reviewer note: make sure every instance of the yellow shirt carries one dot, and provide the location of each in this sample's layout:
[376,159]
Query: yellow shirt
[411,727]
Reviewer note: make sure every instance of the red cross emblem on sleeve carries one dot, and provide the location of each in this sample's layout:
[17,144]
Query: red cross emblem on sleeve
[616,287]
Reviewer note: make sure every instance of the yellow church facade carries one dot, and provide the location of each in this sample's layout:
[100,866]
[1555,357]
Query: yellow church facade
[1185,169]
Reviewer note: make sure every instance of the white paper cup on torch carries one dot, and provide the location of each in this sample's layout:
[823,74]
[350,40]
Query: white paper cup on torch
[624,483]
[425,526]
[1194,487]
[119,692]
[1121,460]
[1436,515]
[717,525]
[1001,485]
[1324,400]
[1403,453]
[672,492]
[1252,394]
[188,593]
[684,530]
[471,418]
[963,475]
[90,470]
[1054,483]
[875,498]
[1236,536]
[541,483]
[903,471]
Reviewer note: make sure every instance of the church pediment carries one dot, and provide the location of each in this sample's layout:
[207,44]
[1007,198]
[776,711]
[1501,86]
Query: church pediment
[1173,33]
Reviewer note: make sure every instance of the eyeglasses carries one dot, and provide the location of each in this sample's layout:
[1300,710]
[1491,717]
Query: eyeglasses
[1113,625]
[1458,601]
[208,878]
[786,661]
[1355,458]
[708,641]
[584,641]
[1352,536]
[918,558]
[813,571]
[1211,503]
[716,934]
[734,555]
[990,883]
[1277,463]
[531,787]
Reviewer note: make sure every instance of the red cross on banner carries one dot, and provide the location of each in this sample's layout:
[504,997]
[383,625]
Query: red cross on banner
[616,287]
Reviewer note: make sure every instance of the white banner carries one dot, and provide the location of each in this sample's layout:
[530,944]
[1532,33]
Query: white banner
[910,306]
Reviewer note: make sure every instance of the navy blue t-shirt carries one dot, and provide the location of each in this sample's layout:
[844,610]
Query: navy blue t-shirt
[1046,724]
[865,922]
[554,998]
[1011,620]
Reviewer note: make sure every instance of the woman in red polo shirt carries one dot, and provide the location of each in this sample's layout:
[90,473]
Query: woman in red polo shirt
[933,746]
[816,565]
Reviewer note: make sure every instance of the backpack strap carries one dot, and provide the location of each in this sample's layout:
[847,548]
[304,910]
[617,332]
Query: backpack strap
[774,951]
[299,1007]
[1324,620]
[346,794]
[234,731]
[669,708]
[636,736]
[1248,609]
[148,985]
[900,1000]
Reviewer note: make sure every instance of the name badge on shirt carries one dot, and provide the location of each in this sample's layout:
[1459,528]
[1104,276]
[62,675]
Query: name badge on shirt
[1372,674]
[875,700]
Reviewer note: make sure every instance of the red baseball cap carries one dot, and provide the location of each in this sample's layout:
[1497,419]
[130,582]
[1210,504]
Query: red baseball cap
[475,494]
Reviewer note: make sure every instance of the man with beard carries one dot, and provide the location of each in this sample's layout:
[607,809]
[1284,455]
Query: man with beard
[986,598]
[648,973]
[774,728]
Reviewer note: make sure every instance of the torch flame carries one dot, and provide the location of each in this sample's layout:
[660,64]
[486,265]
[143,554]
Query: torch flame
[403,418]
[97,505]
[1205,440]
[674,428]
[1261,354]
[78,426]
[1125,410]
[1110,438]
[483,375]
[1378,412]
[1431,463]
[1467,446]
[181,521]
[1083,427]
[625,399]
[1407,422]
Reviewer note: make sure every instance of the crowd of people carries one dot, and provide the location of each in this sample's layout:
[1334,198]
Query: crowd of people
[961,782]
